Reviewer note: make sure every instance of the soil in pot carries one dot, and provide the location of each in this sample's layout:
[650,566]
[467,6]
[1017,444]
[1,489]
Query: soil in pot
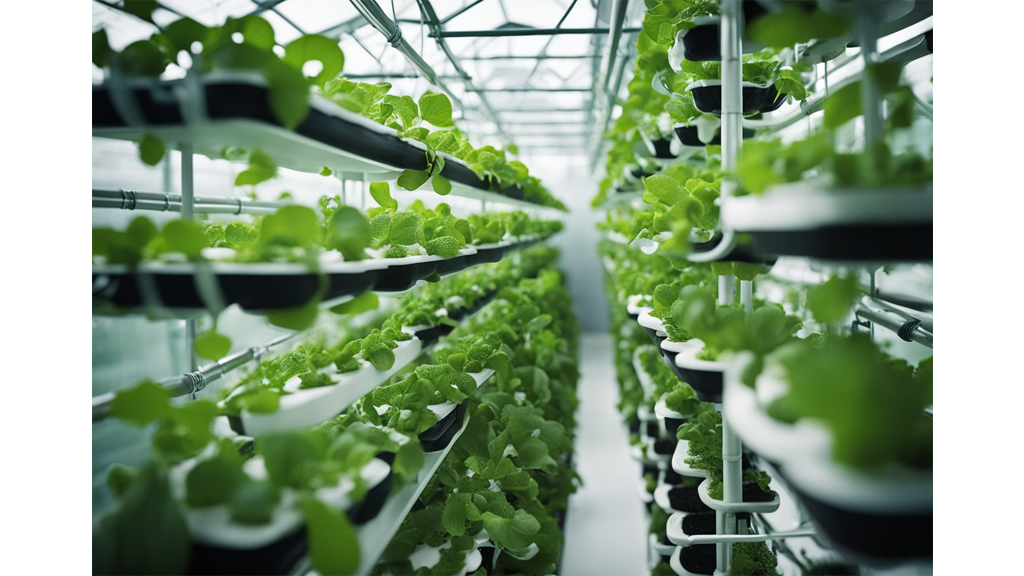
[699,559]
[686,500]
[665,446]
[276,558]
[703,523]
[652,429]
[672,477]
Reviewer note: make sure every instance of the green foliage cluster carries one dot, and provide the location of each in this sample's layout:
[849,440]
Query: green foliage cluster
[529,339]
[704,434]
[249,44]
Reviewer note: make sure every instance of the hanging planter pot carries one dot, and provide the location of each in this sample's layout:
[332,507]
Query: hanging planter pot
[660,148]
[704,376]
[707,97]
[690,136]
[670,419]
[674,499]
[755,500]
[742,250]
[875,517]
[692,560]
[682,525]
[653,327]
[744,408]
[891,224]
[701,43]
[679,465]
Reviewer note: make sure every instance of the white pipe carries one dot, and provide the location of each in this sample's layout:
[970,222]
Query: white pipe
[867,25]
[733,538]
[187,182]
[747,295]
[726,289]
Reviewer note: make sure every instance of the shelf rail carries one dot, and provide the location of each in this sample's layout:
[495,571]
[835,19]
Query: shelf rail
[906,326]
[125,199]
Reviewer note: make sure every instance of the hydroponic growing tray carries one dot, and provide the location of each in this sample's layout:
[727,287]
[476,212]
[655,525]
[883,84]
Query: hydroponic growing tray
[804,219]
[225,109]
[707,97]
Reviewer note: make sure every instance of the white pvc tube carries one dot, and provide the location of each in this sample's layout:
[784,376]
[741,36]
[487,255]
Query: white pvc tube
[731,47]
[747,295]
[726,289]
[867,25]
[187,182]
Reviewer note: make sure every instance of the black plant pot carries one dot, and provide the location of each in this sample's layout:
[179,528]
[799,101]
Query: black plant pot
[654,337]
[661,149]
[686,499]
[672,424]
[743,251]
[665,446]
[882,537]
[652,429]
[514,192]
[701,43]
[687,135]
[870,243]
[277,558]
[708,99]
[699,559]
[438,436]
[707,384]
[640,173]
[400,277]
[376,496]
[672,477]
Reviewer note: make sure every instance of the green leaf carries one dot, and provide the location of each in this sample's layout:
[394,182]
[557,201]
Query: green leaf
[350,233]
[141,8]
[120,478]
[292,226]
[665,188]
[538,323]
[314,47]
[262,401]
[185,237]
[333,544]
[148,534]
[212,344]
[514,533]
[843,105]
[405,227]
[214,480]
[436,109]
[261,168]
[381,193]
[382,358]
[254,503]
[184,32]
[142,58]
[406,109]
[832,301]
[413,179]
[101,50]
[441,185]
[795,25]
[255,31]
[363,303]
[298,318]
[445,247]
[152,150]
[142,404]
[289,93]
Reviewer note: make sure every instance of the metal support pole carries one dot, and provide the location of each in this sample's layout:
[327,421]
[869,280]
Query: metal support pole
[506,32]
[188,213]
[747,295]
[867,30]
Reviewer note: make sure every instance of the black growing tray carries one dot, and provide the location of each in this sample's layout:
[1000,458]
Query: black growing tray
[701,43]
[885,537]
[745,250]
[488,255]
[687,135]
[654,337]
[755,99]
[250,291]
[375,497]
[874,243]
[707,384]
[401,277]
[241,100]
[453,265]
[276,558]
[438,436]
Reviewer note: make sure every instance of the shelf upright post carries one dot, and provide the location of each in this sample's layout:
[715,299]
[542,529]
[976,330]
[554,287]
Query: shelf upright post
[747,295]
[730,44]
[188,213]
[867,31]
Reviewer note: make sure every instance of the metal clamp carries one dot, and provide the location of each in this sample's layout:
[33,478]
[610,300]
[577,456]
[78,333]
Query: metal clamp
[196,380]
[395,39]
[128,199]
[907,328]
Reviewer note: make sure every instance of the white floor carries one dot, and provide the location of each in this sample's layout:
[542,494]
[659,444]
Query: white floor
[606,526]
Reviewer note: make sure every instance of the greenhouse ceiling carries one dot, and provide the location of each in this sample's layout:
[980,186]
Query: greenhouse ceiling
[536,73]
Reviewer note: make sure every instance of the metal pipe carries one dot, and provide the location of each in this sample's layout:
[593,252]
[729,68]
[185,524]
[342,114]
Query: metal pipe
[906,329]
[430,16]
[508,32]
[459,12]
[735,538]
[393,33]
[618,16]
[530,89]
[531,57]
